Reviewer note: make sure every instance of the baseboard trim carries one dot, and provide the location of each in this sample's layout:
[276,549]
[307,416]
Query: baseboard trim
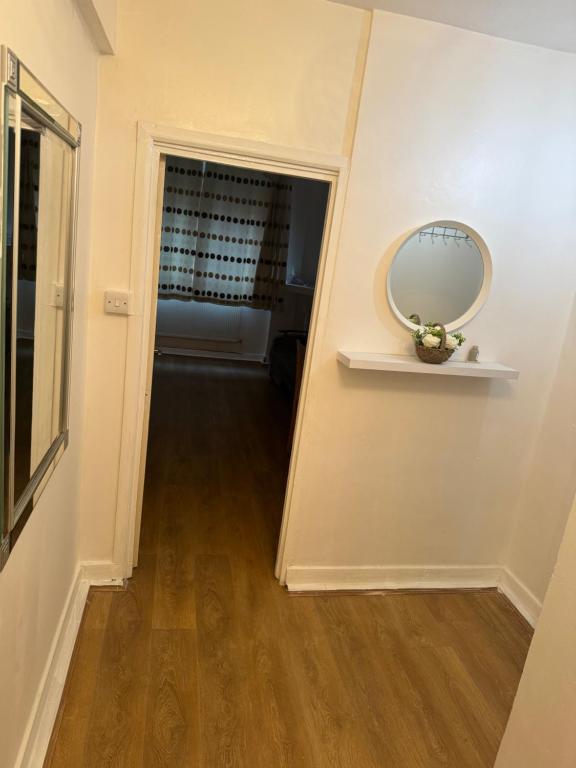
[314,578]
[246,357]
[383,577]
[101,573]
[520,596]
[185,341]
[218,349]
[45,708]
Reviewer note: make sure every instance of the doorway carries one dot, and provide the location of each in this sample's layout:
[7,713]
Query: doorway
[238,257]
[155,146]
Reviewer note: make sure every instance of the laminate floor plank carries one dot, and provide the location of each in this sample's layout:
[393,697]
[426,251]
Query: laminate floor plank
[174,600]
[224,705]
[277,733]
[429,667]
[71,727]
[394,711]
[332,708]
[204,661]
[172,738]
[115,736]
[470,635]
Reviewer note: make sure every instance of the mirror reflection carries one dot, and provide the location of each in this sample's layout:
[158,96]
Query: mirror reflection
[437,275]
[8,195]
[45,183]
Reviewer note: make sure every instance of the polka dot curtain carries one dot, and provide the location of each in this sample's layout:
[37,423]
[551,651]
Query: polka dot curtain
[225,234]
[28,212]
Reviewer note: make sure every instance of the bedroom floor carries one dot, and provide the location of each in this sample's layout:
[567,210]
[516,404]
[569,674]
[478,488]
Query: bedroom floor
[204,660]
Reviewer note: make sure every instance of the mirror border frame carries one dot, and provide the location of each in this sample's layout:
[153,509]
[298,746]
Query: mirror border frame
[12,524]
[480,300]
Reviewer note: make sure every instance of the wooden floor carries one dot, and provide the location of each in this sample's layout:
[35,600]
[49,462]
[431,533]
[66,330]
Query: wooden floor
[204,660]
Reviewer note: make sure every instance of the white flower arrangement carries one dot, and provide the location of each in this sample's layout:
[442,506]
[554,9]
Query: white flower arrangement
[430,336]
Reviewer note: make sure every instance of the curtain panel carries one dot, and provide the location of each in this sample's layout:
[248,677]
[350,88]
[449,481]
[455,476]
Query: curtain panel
[225,234]
[28,211]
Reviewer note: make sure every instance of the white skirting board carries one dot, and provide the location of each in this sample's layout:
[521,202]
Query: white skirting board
[45,708]
[381,577]
[246,357]
[520,596]
[101,573]
[375,577]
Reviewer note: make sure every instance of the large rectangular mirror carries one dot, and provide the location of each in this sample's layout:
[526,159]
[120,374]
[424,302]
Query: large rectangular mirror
[40,143]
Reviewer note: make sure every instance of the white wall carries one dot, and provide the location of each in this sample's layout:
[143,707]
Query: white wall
[241,76]
[51,39]
[415,470]
[540,731]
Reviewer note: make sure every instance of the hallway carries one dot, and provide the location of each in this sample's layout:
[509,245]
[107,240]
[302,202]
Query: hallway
[204,660]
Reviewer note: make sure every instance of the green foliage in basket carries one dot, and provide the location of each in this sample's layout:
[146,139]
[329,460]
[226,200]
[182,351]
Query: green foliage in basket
[430,336]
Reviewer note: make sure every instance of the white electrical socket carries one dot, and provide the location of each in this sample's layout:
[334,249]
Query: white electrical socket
[117,302]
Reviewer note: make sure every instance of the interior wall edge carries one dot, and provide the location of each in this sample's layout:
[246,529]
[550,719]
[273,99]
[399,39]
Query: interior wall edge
[103,35]
[510,555]
[540,730]
[357,84]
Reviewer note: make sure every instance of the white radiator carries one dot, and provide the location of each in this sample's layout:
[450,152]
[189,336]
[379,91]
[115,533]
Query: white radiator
[199,321]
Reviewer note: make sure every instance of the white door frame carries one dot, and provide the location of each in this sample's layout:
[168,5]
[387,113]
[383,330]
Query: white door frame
[153,142]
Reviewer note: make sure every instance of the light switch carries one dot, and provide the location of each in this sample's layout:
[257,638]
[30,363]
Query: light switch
[57,295]
[117,302]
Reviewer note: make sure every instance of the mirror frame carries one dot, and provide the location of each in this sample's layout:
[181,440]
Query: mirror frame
[486,281]
[20,86]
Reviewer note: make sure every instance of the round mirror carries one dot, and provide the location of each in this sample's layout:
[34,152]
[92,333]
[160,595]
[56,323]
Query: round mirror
[440,274]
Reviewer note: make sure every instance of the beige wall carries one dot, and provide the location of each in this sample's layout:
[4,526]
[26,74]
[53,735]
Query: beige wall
[281,71]
[414,470]
[395,470]
[540,732]
[50,38]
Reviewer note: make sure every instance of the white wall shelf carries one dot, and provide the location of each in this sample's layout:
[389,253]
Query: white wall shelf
[376,361]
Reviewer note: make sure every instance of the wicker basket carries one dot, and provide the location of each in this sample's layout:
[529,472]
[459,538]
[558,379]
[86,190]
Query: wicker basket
[435,355]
